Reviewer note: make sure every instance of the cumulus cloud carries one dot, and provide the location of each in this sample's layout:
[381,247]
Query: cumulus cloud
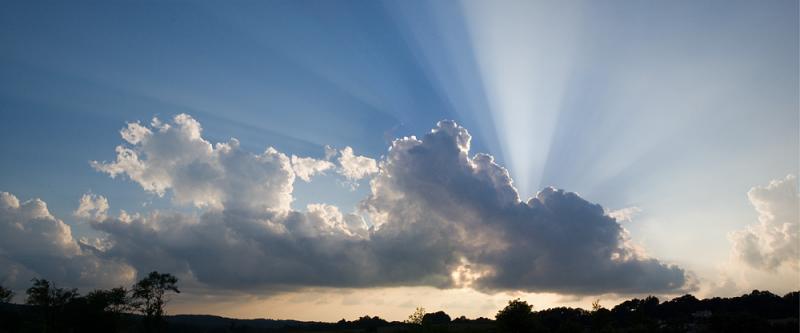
[235,250]
[438,216]
[92,207]
[355,167]
[465,208]
[33,243]
[773,241]
[174,156]
[305,167]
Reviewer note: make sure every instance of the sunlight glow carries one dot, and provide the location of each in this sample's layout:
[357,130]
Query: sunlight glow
[525,67]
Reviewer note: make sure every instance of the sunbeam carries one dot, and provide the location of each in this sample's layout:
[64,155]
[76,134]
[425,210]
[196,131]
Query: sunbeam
[524,50]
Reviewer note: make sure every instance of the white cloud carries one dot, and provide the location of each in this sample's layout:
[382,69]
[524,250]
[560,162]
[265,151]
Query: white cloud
[434,208]
[773,241]
[439,216]
[33,243]
[305,167]
[29,228]
[355,167]
[92,207]
[174,156]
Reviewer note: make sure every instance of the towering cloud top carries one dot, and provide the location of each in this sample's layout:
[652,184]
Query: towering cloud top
[465,211]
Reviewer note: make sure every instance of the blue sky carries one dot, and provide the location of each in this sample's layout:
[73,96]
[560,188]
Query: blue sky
[673,109]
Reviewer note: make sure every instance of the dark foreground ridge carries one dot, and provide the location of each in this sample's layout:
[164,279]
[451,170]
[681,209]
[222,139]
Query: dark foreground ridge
[759,311]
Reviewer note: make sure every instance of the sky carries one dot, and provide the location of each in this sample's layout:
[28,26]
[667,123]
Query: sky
[320,160]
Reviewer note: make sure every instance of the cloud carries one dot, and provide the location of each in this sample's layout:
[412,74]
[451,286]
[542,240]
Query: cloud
[174,156]
[33,243]
[246,236]
[92,207]
[465,208]
[236,250]
[355,167]
[439,217]
[773,241]
[330,152]
[305,167]
[624,214]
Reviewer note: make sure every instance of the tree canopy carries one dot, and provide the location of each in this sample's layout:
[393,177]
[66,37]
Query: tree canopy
[149,295]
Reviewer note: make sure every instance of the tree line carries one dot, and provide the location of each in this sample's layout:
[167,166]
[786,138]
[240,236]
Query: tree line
[140,308]
[759,311]
[65,310]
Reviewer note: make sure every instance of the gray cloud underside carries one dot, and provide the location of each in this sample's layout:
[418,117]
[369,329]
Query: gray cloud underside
[438,217]
[34,243]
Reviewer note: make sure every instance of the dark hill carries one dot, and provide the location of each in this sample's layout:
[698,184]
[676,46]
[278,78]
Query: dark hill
[758,311]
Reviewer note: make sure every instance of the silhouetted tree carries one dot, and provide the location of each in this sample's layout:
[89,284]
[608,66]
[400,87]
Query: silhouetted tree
[596,305]
[45,294]
[516,317]
[6,295]
[638,306]
[113,300]
[369,324]
[562,319]
[105,307]
[416,317]
[436,318]
[149,297]
[50,299]
[678,311]
[102,311]
[791,304]
[9,320]
[461,319]
[638,314]
[601,320]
